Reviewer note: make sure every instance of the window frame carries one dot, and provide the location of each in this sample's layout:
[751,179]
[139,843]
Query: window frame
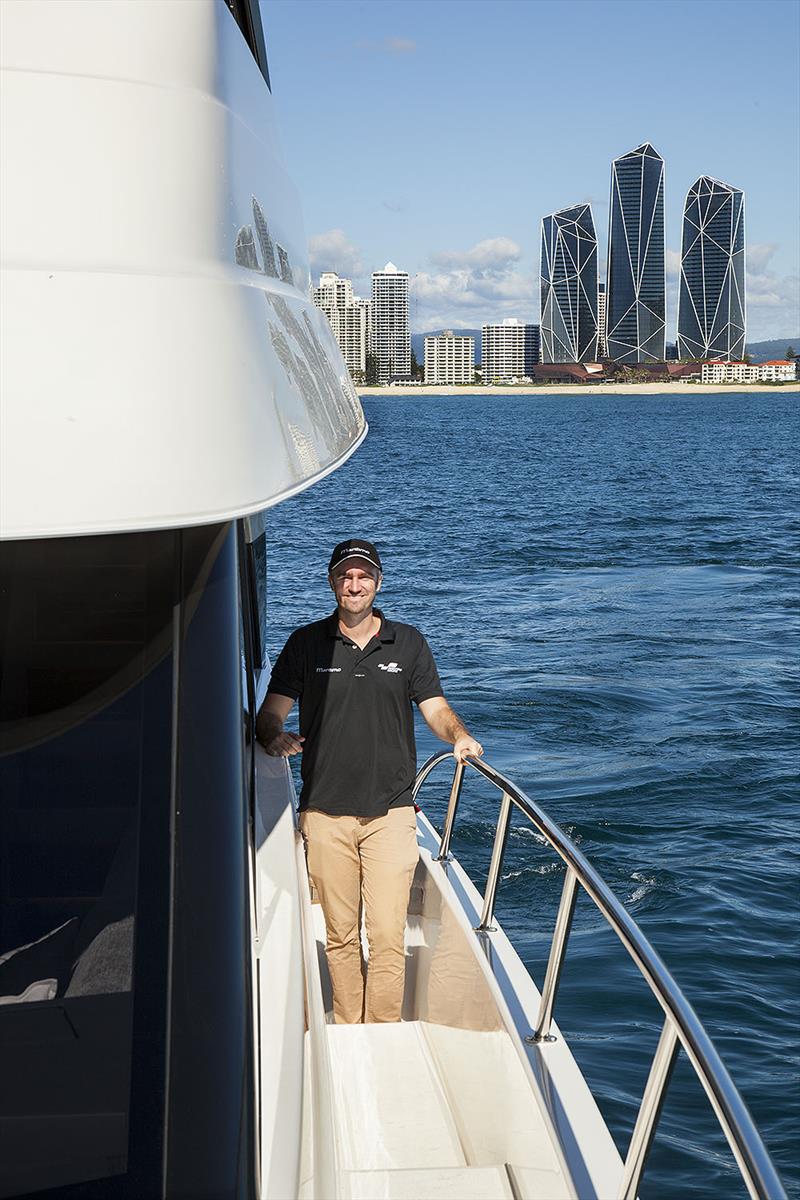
[247,16]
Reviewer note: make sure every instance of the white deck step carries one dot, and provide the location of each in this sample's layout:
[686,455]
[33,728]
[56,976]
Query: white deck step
[438,1183]
[431,1111]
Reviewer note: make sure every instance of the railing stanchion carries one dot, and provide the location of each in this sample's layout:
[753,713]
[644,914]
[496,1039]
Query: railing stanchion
[558,948]
[649,1111]
[452,808]
[751,1155]
[495,866]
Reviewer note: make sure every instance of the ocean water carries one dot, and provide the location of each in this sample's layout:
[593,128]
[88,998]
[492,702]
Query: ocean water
[609,585]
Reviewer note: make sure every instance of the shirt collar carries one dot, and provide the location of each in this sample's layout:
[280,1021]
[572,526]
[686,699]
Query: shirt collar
[387,632]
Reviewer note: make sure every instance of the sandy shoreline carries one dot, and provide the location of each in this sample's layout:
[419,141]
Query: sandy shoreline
[582,389]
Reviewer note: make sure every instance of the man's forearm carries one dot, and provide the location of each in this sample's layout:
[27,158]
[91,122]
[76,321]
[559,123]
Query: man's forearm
[447,725]
[268,726]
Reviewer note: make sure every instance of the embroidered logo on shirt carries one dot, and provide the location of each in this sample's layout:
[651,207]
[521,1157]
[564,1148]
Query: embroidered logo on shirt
[392,667]
[329,670]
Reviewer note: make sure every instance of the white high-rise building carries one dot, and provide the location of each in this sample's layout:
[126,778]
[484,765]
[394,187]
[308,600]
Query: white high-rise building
[349,319]
[601,320]
[449,358]
[390,337]
[509,351]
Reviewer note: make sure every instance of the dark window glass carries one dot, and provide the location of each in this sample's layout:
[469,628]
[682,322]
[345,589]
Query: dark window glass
[257,552]
[210,1137]
[86,700]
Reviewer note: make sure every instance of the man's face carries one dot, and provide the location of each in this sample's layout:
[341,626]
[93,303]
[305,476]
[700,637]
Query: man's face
[354,584]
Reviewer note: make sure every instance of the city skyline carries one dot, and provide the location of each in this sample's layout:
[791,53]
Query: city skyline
[374,335]
[467,230]
[583,318]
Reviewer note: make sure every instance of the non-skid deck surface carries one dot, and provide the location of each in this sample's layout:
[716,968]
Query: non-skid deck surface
[429,1111]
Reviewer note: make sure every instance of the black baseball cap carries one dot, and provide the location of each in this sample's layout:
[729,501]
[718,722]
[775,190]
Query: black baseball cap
[355,548]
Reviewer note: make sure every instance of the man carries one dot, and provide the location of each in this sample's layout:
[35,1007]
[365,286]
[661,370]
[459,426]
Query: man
[355,675]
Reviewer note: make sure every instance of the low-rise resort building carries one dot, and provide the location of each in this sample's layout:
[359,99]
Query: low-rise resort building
[775,371]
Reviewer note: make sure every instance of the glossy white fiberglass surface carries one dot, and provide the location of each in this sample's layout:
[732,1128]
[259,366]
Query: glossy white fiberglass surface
[162,363]
[279,989]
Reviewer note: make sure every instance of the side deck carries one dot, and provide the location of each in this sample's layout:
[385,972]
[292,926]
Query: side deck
[451,1102]
[435,1111]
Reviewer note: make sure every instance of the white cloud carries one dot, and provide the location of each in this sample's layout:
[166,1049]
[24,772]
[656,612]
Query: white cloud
[333,251]
[673,264]
[400,45]
[491,256]
[484,283]
[773,301]
[759,254]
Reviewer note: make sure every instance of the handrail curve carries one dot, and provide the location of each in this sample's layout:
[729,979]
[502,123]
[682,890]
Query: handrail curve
[681,1022]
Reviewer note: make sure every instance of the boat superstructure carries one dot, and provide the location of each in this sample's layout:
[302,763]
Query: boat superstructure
[164,1003]
[162,363]
[165,379]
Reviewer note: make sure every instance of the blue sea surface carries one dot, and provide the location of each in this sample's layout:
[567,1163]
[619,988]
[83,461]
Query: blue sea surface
[609,585]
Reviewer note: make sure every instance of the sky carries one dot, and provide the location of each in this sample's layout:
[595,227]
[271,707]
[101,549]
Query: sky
[437,134]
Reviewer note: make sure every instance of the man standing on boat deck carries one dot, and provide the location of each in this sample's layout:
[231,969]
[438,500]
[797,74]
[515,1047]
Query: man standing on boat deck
[356,674]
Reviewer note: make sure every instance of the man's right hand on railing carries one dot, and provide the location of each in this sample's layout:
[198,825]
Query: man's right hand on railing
[270,733]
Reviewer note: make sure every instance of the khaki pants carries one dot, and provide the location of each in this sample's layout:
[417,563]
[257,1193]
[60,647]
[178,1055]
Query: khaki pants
[369,860]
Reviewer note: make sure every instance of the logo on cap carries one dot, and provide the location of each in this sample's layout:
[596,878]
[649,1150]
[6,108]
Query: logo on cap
[355,548]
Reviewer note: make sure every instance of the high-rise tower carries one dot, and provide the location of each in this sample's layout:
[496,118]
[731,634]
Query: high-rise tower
[349,319]
[711,301]
[601,320]
[635,282]
[569,286]
[390,339]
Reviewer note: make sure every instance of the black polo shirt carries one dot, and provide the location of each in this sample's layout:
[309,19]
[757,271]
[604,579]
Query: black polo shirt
[359,757]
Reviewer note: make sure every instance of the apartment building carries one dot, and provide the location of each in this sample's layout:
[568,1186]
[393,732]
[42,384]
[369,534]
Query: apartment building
[449,358]
[711,297]
[601,320]
[775,371]
[349,319]
[390,336]
[509,351]
[569,286]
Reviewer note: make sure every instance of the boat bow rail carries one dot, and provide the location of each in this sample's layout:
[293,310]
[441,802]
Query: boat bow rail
[681,1028]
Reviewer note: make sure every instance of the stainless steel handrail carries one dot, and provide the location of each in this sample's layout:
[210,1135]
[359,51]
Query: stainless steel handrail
[682,1026]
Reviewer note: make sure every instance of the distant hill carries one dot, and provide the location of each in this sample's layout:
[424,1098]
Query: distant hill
[418,342]
[776,348]
[758,351]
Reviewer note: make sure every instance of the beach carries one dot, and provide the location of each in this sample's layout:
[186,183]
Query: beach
[678,388]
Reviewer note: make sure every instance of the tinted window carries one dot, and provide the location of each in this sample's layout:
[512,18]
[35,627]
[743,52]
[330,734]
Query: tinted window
[85,777]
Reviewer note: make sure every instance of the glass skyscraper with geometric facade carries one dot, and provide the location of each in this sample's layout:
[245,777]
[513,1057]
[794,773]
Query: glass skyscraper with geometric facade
[569,286]
[711,301]
[635,282]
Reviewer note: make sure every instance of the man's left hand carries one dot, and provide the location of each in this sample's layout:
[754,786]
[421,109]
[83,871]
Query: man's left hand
[467,745]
